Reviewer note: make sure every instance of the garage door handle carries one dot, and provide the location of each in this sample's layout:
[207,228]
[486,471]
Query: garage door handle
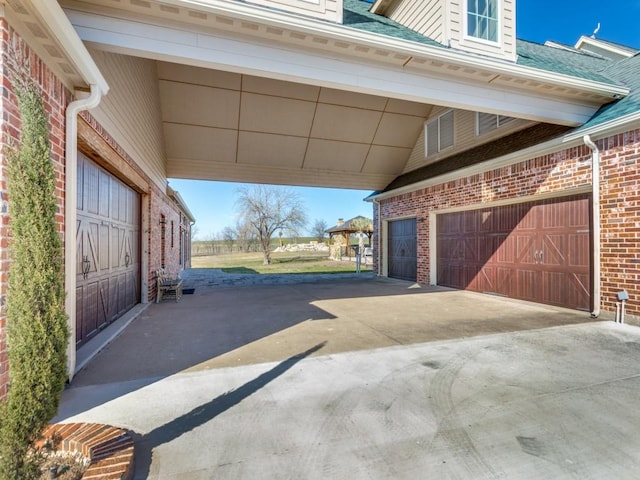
[535,256]
[541,256]
[86,266]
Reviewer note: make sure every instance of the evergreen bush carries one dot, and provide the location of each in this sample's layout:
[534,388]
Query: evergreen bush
[36,321]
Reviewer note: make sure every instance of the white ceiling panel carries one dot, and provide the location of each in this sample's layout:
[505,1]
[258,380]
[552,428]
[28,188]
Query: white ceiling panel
[352,99]
[266,149]
[198,105]
[278,88]
[332,155]
[285,116]
[388,160]
[200,143]
[398,130]
[345,123]
[198,76]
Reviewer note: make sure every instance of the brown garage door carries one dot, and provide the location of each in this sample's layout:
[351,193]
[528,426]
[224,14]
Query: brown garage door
[108,249]
[537,251]
[402,249]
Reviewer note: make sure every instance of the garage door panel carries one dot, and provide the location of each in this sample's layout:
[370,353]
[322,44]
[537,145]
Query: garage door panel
[553,250]
[105,237]
[537,251]
[402,248]
[525,245]
[579,253]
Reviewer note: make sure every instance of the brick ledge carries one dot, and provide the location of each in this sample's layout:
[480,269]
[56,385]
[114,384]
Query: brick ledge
[110,449]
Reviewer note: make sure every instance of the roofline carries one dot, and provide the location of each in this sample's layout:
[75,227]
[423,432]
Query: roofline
[498,162]
[573,139]
[52,15]
[610,127]
[439,53]
[617,49]
[181,203]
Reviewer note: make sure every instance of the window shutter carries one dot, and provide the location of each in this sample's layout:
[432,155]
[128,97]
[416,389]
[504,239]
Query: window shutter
[446,130]
[432,137]
[486,122]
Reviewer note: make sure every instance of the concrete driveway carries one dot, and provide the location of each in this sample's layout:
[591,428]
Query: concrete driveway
[367,379]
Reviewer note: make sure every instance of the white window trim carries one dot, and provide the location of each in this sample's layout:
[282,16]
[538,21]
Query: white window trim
[436,120]
[471,38]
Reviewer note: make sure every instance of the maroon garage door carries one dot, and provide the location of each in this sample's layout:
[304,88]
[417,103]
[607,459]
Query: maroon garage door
[402,249]
[538,251]
[108,246]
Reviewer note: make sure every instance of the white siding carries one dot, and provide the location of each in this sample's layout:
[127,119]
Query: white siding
[423,16]
[464,137]
[130,113]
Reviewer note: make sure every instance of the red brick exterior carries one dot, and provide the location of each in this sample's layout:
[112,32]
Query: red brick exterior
[56,98]
[556,172]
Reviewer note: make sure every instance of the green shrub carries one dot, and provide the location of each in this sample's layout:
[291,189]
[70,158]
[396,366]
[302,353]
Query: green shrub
[36,321]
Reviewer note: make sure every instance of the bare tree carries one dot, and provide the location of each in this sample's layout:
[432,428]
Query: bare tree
[229,237]
[318,230]
[246,237]
[268,209]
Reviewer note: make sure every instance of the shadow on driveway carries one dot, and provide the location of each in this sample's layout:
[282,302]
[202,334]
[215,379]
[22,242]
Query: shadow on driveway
[225,327]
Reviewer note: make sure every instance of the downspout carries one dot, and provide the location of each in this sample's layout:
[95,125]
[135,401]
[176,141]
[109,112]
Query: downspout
[71,215]
[379,227]
[595,173]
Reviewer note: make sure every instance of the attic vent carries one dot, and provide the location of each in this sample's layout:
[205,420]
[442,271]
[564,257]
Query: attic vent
[199,15]
[486,122]
[169,9]
[140,3]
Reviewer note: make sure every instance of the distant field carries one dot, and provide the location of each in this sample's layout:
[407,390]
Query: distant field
[285,262]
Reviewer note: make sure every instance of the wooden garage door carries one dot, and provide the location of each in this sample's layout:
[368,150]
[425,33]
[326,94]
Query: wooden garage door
[108,249]
[531,251]
[402,249]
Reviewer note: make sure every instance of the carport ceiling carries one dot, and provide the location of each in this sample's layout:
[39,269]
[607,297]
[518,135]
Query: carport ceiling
[229,126]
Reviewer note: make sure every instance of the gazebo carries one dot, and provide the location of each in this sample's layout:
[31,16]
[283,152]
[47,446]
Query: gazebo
[345,229]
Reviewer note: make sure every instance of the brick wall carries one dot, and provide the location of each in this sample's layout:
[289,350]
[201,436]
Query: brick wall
[620,219]
[162,207]
[56,97]
[566,169]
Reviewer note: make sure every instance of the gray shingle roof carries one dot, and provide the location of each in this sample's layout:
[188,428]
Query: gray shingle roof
[357,15]
[558,60]
[625,72]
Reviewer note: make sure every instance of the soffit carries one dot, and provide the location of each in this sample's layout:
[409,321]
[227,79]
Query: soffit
[25,20]
[221,126]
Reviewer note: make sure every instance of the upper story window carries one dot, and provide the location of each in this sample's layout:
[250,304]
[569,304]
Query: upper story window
[482,19]
[439,133]
[486,122]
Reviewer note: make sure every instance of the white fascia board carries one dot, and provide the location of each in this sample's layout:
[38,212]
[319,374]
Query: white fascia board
[52,15]
[244,55]
[553,145]
[352,35]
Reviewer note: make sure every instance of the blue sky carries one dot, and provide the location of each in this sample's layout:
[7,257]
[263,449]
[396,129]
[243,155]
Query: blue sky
[213,203]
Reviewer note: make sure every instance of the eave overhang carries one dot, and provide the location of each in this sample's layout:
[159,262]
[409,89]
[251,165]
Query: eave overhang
[56,42]
[260,41]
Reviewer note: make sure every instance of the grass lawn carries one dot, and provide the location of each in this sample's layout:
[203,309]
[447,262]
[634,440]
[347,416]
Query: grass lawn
[282,262]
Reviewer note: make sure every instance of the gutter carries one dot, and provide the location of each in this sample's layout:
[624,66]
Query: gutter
[262,15]
[595,173]
[58,25]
